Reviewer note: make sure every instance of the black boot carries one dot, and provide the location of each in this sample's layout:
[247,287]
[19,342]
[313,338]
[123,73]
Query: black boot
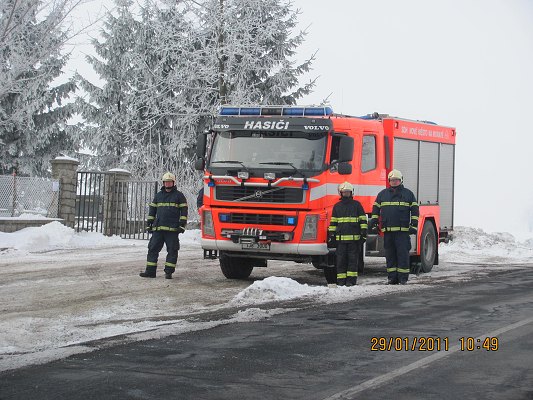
[351,281]
[149,273]
[341,281]
[168,275]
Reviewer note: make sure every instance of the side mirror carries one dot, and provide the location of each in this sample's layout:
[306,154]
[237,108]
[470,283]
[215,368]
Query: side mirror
[346,149]
[199,164]
[345,168]
[201,143]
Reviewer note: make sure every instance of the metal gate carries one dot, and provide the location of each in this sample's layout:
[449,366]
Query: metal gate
[108,204]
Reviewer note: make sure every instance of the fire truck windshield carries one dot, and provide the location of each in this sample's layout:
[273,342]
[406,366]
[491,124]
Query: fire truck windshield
[270,150]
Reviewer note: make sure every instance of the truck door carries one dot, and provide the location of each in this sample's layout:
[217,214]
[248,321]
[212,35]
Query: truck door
[371,166]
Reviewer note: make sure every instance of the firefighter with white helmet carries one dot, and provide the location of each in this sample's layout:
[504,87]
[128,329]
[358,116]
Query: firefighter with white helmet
[167,218]
[347,230]
[397,210]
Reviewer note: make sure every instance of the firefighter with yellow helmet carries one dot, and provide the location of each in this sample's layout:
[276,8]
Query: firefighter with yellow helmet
[167,218]
[347,229]
[397,210]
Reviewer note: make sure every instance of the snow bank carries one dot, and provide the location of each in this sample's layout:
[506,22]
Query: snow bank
[282,289]
[54,236]
[476,245]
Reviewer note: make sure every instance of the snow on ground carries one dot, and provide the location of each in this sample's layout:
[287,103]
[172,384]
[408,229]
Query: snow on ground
[64,289]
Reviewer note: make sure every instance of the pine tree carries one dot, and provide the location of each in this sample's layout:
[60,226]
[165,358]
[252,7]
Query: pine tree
[254,44]
[107,110]
[166,73]
[228,51]
[33,118]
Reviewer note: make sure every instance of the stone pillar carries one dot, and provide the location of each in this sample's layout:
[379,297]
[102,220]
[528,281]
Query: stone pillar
[64,170]
[116,196]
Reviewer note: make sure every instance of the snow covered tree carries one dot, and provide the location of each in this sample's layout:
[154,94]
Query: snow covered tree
[254,45]
[224,51]
[166,73]
[33,116]
[107,110]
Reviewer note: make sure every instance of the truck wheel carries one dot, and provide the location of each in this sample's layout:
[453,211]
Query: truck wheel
[235,267]
[428,247]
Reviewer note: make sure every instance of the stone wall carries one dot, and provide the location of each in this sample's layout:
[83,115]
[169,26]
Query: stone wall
[15,224]
[64,169]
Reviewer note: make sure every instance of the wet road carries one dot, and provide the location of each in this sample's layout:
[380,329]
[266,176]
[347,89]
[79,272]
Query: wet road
[322,352]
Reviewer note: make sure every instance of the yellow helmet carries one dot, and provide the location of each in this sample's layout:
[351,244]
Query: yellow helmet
[395,174]
[167,176]
[345,187]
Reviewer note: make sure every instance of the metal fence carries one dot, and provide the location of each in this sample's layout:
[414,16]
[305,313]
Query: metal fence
[27,195]
[90,192]
[132,212]
[114,207]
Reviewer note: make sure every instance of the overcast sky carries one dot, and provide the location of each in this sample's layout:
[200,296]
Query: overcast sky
[461,63]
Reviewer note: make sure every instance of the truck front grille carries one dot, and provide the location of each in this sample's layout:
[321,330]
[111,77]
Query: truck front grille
[257,219]
[259,194]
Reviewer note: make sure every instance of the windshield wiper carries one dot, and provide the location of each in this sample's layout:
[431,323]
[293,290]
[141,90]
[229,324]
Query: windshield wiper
[231,162]
[284,163]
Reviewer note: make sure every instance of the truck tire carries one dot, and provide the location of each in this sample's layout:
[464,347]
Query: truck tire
[235,267]
[428,247]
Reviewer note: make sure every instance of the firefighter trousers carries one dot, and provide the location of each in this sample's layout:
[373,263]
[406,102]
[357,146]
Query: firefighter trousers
[171,240]
[397,246]
[347,261]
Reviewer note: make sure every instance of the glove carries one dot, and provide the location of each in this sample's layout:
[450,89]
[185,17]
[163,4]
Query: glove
[332,241]
[149,228]
[373,226]
[363,235]
[412,230]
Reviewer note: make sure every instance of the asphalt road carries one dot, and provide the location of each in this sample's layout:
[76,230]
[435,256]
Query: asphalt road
[322,352]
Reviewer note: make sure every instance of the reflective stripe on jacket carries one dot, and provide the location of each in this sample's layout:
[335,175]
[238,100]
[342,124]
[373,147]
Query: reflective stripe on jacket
[348,220]
[397,208]
[168,211]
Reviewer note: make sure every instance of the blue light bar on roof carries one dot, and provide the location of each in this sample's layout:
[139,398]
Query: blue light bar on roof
[278,110]
[229,111]
[294,111]
[250,111]
[317,111]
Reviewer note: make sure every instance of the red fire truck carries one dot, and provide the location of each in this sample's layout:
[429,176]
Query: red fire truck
[271,176]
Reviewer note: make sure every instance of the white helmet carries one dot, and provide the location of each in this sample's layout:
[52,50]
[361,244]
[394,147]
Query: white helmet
[395,174]
[345,187]
[167,177]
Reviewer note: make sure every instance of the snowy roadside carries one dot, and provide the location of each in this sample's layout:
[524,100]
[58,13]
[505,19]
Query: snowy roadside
[63,292]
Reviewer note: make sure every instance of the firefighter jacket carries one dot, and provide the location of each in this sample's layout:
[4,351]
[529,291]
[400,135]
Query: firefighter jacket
[348,221]
[168,211]
[397,208]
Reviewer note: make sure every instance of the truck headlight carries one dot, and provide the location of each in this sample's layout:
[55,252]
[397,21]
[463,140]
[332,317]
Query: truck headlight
[310,227]
[208,228]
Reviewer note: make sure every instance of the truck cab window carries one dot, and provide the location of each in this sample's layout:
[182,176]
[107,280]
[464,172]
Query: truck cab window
[334,154]
[368,153]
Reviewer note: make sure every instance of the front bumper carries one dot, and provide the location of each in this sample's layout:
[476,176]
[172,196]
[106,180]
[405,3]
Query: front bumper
[301,249]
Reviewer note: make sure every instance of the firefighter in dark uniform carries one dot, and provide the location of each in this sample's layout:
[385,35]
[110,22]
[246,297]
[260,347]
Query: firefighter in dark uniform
[167,218]
[396,209]
[348,226]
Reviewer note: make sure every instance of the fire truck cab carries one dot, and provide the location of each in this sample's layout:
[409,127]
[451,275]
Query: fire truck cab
[271,177]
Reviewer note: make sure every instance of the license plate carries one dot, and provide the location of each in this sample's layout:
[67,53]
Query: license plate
[256,246]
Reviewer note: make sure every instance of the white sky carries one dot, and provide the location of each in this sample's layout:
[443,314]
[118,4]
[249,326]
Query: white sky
[461,63]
